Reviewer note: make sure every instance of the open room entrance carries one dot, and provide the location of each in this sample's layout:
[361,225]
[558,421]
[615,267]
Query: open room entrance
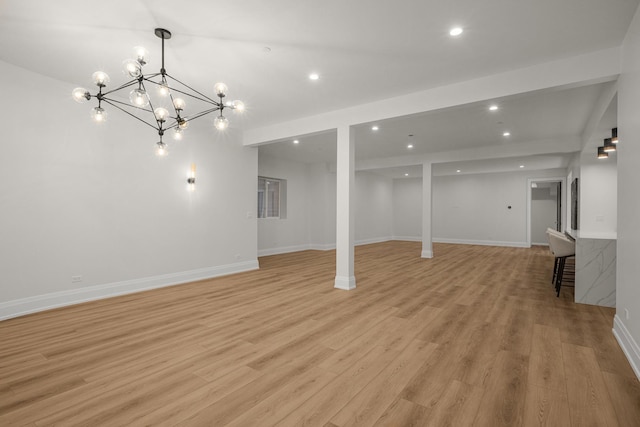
[546,208]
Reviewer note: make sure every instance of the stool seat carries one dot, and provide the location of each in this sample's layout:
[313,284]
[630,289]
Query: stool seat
[562,248]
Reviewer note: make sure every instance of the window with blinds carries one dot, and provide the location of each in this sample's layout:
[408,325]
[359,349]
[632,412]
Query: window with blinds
[270,191]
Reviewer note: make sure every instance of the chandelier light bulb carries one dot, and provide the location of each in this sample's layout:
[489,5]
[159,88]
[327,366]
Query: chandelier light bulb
[141,55]
[81,95]
[178,133]
[132,68]
[100,78]
[183,123]
[163,90]
[221,123]
[99,115]
[161,149]
[221,89]
[179,104]
[139,98]
[161,114]
[238,105]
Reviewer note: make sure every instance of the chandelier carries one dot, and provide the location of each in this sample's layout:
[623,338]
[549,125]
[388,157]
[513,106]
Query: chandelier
[168,111]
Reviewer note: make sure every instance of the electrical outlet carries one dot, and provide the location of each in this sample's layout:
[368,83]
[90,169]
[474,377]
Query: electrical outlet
[249,215]
[626,313]
[237,256]
[599,218]
[76,279]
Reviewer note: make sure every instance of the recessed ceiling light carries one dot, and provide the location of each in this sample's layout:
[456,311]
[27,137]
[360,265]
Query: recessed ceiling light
[410,146]
[314,76]
[493,108]
[455,31]
[506,134]
[295,141]
[374,128]
[406,174]
[521,166]
[458,171]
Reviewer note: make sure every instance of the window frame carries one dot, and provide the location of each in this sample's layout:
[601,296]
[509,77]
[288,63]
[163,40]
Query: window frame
[267,202]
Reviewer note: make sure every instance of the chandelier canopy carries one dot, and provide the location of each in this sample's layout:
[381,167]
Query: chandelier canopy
[168,110]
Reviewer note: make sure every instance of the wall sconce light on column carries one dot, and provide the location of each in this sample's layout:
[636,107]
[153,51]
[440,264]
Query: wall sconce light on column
[614,135]
[191,179]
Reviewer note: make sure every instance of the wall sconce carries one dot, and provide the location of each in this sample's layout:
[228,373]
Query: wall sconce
[602,154]
[609,146]
[191,179]
[614,135]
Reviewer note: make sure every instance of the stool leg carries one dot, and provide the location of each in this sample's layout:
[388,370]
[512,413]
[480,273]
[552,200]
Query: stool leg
[559,275]
[555,270]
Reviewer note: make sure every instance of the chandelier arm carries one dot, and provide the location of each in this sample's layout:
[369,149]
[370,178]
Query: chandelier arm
[128,105]
[151,76]
[202,113]
[190,88]
[190,95]
[123,86]
[113,104]
[158,122]
[207,100]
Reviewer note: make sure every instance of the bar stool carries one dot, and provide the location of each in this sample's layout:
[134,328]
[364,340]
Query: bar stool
[562,248]
[555,263]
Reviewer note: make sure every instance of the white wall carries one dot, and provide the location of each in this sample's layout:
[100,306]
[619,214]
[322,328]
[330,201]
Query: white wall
[290,233]
[627,327]
[474,208]
[373,209]
[407,209]
[321,182]
[543,214]
[94,201]
[311,207]
[598,194]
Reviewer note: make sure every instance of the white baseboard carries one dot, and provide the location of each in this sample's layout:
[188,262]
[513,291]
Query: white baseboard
[372,241]
[317,246]
[628,344]
[345,283]
[407,238]
[481,242]
[322,246]
[23,306]
[426,254]
[297,248]
[283,250]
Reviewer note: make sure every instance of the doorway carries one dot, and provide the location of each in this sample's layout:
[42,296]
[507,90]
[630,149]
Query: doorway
[545,208]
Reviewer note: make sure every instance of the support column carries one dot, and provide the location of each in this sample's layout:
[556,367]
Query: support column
[427,246]
[345,229]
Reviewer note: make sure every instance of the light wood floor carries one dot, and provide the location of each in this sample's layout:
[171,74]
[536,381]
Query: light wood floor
[472,337]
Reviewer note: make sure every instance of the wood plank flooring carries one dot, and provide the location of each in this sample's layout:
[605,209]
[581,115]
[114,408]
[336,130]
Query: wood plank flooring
[472,337]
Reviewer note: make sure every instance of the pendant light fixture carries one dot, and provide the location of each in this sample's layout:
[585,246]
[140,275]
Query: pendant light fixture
[602,154]
[609,146]
[156,99]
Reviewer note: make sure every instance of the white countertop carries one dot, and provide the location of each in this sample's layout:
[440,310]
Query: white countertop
[582,234]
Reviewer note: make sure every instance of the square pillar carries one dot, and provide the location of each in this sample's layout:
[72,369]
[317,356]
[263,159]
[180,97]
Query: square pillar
[345,211]
[427,245]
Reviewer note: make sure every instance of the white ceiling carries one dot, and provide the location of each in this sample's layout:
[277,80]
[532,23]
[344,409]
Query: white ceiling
[557,116]
[364,50]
